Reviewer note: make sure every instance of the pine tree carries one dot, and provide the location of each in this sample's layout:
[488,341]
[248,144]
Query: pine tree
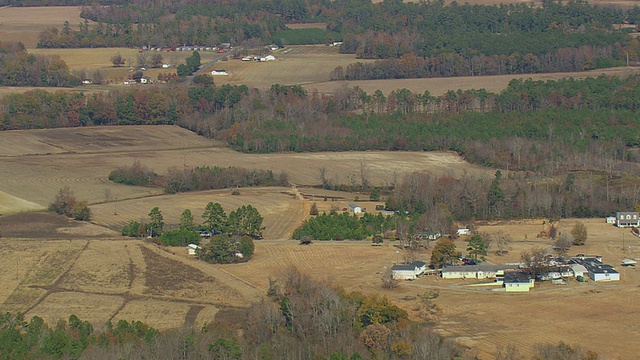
[215,219]
[156,222]
[186,220]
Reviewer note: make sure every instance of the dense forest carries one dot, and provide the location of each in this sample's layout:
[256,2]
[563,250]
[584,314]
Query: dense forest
[19,68]
[443,40]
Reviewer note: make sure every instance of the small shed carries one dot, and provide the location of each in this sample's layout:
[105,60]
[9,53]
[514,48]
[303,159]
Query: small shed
[192,249]
[463,231]
[610,219]
[629,262]
[354,208]
[579,270]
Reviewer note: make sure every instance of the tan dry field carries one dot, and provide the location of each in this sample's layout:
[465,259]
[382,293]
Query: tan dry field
[281,210]
[112,278]
[612,3]
[440,86]
[25,24]
[90,60]
[37,163]
[294,65]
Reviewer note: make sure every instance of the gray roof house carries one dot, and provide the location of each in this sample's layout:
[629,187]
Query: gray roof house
[627,219]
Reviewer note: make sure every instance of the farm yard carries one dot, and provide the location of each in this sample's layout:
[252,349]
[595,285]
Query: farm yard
[61,262]
[116,278]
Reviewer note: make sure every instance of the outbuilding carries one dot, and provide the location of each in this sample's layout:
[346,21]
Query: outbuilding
[355,208]
[192,249]
[409,271]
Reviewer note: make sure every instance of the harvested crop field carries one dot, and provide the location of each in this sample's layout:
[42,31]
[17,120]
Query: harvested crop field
[294,65]
[440,86]
[36,164]
[90,60]
[25,24]
[281,210]
[113,279]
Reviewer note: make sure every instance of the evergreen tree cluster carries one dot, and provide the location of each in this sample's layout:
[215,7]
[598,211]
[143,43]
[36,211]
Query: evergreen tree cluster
[344,226]
[19,68]
[35,339]
[227,249]
[192,65]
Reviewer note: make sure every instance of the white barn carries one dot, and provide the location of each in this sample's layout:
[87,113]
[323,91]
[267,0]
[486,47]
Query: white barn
[355,208]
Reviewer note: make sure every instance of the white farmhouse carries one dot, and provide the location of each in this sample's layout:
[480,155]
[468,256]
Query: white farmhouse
[482,271]
[516,281]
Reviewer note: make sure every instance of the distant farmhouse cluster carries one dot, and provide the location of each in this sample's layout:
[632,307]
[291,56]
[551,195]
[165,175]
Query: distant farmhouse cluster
[516,277]
[223,47]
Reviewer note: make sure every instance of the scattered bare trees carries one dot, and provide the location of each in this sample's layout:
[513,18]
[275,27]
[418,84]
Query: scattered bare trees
[534,260]
[579,233]
[563,243]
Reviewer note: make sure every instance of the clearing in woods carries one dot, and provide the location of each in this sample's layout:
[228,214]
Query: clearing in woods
[37,163]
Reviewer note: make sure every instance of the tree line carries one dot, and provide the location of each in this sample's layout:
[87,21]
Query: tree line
[196,179]
[520,195]
[244,221]
[19,68]
[568,59]
[299,318]
[385,30]
[531,125]
[35,339]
